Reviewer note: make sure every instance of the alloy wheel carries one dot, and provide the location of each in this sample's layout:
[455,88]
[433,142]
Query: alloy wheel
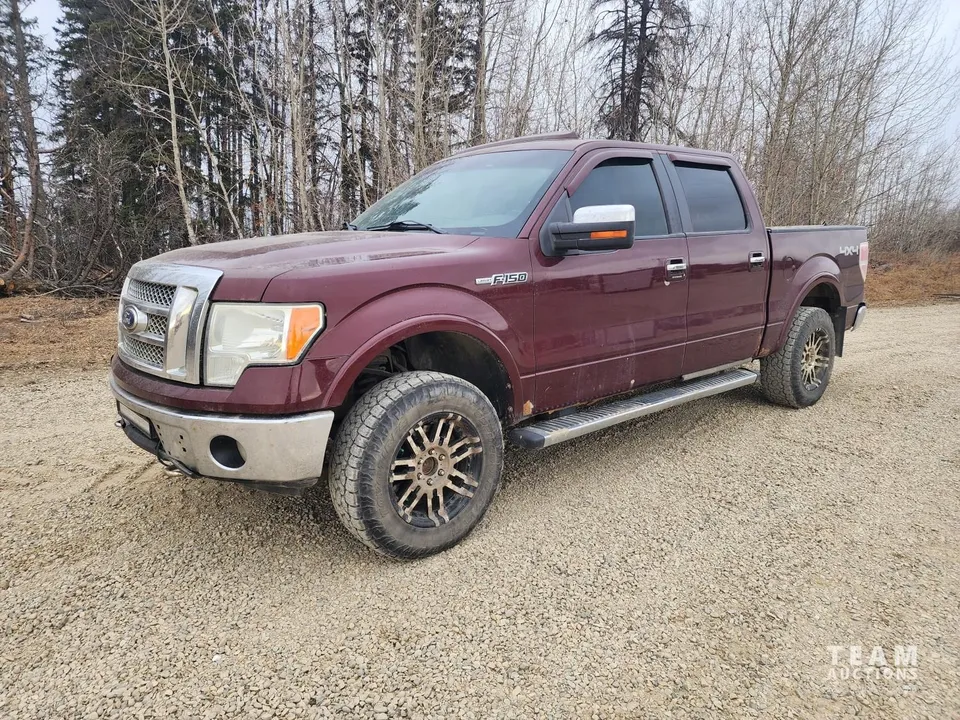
[816,359]
[435,469]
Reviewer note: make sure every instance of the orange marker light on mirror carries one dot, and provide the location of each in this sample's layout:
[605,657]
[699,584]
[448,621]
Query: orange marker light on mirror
[607,234]
[304,322]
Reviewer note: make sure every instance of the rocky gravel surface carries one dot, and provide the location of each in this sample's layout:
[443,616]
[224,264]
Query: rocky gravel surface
[718,560]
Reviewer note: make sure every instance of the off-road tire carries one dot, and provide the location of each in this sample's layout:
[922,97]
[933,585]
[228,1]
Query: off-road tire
[365,450]
[781,379]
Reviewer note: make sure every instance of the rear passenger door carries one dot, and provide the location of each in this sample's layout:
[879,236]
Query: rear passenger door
[728,261]
[607,322]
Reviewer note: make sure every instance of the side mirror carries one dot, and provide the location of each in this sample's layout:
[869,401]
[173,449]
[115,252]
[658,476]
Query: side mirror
[595,228]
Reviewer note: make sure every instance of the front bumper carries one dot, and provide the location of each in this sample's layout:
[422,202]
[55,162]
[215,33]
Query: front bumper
[283,451]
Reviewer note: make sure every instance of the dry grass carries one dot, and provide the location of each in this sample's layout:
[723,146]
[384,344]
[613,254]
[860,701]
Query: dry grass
[45,331]
[912,279]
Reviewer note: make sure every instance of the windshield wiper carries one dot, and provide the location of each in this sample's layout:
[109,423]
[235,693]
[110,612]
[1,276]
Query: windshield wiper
[404,225]
[349,226]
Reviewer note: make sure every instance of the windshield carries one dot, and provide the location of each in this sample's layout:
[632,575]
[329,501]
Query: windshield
[489,194]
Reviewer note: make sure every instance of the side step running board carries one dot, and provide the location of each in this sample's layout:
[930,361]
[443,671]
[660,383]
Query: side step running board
[556,430]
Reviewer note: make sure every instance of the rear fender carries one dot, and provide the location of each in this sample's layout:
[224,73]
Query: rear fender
[818,269]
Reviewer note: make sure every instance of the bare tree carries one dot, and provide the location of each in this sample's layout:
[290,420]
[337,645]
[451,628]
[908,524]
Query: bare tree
[28,128]
[148,27]
[9,209]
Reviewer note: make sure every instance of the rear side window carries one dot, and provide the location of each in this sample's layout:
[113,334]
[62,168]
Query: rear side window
[715,204]
[625,181]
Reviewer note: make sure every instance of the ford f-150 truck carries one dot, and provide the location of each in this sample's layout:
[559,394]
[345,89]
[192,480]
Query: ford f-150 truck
[540,289]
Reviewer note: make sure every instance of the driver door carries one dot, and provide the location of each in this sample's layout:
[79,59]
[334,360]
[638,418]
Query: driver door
[610,322]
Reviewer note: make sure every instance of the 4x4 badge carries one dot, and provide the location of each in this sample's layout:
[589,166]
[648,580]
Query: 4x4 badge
[503,278]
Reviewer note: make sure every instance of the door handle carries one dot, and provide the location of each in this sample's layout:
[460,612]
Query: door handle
[676,269]
[757,259]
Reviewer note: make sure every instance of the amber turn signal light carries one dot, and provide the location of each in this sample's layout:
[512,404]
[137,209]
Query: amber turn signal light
[607,234]
[304,322]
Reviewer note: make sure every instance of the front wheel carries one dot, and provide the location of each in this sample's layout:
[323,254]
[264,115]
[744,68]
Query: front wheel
[416,464]
[798,373]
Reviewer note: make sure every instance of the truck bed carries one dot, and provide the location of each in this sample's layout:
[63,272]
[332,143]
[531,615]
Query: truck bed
[800,253]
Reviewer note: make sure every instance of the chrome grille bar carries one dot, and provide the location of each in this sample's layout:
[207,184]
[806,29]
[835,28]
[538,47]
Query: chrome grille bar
[157,294]
[157,325]
[168,304]
[146,353]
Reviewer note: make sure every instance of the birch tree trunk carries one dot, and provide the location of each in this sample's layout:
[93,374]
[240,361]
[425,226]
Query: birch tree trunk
[24,104]
[165,14]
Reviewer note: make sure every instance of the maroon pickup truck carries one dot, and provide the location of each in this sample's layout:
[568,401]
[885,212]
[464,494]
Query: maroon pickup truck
[539,288]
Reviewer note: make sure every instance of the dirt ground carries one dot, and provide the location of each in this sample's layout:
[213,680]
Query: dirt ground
[717,560]
[48,332]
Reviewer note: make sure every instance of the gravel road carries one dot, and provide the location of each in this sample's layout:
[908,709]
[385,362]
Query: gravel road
[696,564]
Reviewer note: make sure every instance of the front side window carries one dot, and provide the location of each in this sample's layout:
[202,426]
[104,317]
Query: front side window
[715,204]
[625,181]
[489,194]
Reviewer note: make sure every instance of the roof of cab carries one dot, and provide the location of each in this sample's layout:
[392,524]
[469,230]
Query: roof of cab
[573,142]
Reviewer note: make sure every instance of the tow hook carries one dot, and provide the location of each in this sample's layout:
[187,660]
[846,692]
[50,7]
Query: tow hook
[174,466]
[170,464]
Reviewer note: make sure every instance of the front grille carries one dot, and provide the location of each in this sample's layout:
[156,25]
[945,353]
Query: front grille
[157,325]
[144,352]
[154,293]
[151,289]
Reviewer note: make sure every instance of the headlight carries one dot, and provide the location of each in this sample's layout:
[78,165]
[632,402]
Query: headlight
[242,334]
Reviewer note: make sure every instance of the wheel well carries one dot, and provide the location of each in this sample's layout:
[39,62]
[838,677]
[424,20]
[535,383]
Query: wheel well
[826,296]
[823,296]
[452,353]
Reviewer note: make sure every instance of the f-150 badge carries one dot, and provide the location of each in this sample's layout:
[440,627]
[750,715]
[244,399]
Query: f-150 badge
[503,279]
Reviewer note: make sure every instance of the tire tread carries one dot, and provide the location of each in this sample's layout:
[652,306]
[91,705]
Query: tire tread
[357,441]
[777,369]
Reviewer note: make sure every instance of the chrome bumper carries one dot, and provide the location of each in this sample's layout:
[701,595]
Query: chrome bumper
[285,450]
[859,317]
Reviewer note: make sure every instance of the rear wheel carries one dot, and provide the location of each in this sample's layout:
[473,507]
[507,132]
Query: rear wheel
[798,373]
[416,463]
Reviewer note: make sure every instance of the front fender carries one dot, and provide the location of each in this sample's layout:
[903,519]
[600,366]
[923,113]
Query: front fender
[369,330]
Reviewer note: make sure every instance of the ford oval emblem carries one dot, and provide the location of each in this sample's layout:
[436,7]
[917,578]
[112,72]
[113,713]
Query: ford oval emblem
[132,319]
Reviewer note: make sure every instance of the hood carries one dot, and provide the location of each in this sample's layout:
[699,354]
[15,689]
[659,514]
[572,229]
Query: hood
[249,265]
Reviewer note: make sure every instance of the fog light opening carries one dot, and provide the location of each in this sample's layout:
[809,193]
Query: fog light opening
[227,452]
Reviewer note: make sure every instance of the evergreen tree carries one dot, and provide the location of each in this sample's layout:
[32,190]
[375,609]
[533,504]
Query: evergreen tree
[634,37]
[98,126]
